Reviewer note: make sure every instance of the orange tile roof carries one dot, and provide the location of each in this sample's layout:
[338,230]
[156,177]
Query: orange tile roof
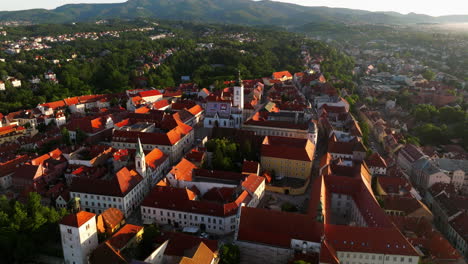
[111,217]
[202,255]
[183,170]
[281,74]
[54,105]
[160,104]
[78,219]
[56,153]
[155,158]
[149,93]
[39,160]
[71,101]
[142,110]
[195,110]
[252,182]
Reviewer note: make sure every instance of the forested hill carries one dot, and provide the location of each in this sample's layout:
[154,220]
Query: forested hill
[223,11]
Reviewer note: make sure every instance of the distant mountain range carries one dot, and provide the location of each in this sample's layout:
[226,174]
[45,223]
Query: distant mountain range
[246,12]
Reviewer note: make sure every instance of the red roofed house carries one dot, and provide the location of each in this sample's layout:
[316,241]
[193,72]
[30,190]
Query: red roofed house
[126,237]
[177,247]
[79,236]
[288,157]
[156,165]
[268,236]
[110,220]
[376,164]
[151,96]
[206,199]
[282,76]
[124,191]
[8,168]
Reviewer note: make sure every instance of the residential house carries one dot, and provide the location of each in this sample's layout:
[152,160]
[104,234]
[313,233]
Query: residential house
[287,157]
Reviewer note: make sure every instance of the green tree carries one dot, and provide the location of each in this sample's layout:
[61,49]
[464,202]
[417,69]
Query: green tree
[229,254]
[81,136]
[146,245]
[65,136]
[428,75]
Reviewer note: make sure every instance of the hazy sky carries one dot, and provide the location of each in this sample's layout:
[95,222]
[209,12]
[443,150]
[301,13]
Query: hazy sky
[430,7]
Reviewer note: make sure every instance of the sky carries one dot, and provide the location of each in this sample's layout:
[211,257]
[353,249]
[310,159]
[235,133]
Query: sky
[429,7]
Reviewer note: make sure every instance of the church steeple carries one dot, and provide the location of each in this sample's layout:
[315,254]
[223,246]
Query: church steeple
[140,160]
[139,149]
[239,79]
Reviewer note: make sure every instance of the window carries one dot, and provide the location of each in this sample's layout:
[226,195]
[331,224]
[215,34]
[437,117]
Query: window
[410,259]
[69,231]
[402,259]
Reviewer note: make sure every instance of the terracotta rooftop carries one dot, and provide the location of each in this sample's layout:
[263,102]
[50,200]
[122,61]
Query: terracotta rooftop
[78,219]
[180,242]
[111,217]
[250,167]
[183,170]
[200,255]
[120,239]
[105,253]
[375,160]
[155,158]
[252,182]
[277,228]
[149,93]
[281,74]
[368,240]
[120,185]
[288,148]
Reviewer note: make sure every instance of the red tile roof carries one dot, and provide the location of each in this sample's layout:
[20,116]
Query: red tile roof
[277,228]
[105,253]
[393,185]
[78,219]
[252,182]
[288,148]
[180,242]
[120,239]
[160,104]
[368,240]
[402,203]
[182,199]
[149,93]
[250,167]
[120,185]
[375,160]
[218,175]
[111,218]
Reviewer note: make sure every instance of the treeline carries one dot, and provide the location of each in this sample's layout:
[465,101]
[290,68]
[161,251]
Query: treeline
[112,65]
[440,125]
[28,229]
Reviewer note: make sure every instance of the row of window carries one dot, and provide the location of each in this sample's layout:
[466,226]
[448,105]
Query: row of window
[373,257]
[183,216]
